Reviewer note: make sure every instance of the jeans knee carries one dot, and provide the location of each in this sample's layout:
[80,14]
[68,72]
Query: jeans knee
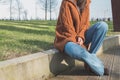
[103,26]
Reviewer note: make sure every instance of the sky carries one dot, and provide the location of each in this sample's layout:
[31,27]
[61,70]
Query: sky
[98,9]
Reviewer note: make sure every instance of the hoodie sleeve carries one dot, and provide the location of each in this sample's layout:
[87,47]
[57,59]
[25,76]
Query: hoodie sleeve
[65,23]
[86,22]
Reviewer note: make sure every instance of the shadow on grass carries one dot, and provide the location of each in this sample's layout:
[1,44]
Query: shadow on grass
[38,22]
[24,30]
[48,23]
[25,47]
[39,44]
[29,25]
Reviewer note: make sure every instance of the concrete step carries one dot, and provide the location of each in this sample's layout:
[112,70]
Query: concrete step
[111,60]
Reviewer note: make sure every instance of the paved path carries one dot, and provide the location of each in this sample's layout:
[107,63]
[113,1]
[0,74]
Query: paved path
[111,59]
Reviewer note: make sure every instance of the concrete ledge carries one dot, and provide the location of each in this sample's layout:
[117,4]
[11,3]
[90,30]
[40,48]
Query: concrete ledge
[31,67]
[38,66]
[43,65]
[109,43]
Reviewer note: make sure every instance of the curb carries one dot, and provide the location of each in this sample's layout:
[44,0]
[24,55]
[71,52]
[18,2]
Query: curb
[44,65]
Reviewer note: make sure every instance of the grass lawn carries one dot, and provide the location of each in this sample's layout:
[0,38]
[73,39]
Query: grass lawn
[25,37]
[19,38]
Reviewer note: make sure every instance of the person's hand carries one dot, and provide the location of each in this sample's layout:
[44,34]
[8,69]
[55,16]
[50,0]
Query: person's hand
[79,41]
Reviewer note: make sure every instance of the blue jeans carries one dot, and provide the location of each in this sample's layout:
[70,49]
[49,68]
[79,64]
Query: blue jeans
[94,35]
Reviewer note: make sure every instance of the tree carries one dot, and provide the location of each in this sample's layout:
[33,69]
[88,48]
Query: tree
[25,14]
[19,7]
[48,6]
[43,5]
[10,5]
[14,5]
[53,5]
[10,9]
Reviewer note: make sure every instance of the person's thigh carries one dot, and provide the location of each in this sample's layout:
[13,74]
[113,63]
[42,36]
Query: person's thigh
[95,35]
[74,50]
[90,32]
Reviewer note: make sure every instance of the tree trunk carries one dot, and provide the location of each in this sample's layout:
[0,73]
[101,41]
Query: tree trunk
[116,15]
[50,10]
[46,10]
[10,9]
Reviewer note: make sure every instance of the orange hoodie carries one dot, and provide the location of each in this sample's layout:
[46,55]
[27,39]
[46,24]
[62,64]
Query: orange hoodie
[71,24]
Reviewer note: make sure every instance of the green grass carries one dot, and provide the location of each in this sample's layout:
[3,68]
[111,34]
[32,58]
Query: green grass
[25,37]
[19,38]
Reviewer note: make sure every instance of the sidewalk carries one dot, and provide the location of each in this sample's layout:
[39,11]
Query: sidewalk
[111,59]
